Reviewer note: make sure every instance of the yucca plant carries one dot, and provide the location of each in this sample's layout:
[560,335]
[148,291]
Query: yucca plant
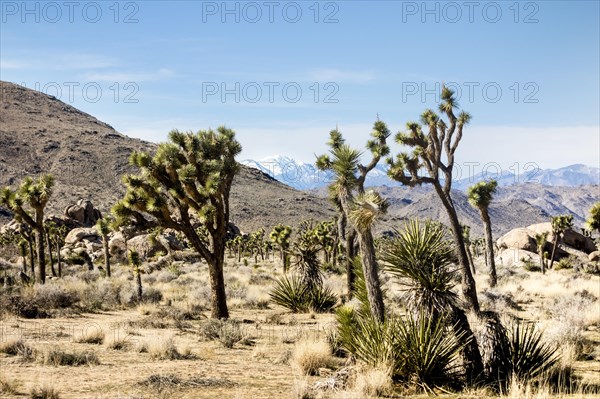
[291,293]
[425,353]
[530,357]
[423,260]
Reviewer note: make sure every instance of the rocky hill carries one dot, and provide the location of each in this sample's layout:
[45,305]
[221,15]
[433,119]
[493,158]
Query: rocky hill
[40,134]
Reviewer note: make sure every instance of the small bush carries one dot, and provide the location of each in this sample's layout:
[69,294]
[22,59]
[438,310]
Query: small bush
[309,356]
[227,332]
[95,338]
[44,393]
[152,295]
[17,348]
[8,387]
[118,344]
[167,350]
[373,382]
[564,263]
[58,357]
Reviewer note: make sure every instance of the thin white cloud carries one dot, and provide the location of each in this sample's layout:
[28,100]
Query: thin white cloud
[59,61]
[129,76]
[338,75]
[13,64]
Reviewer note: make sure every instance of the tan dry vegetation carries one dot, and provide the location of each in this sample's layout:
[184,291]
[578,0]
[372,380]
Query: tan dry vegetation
[162,351]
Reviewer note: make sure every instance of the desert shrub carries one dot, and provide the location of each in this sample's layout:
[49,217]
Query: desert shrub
[8,387]
[96,337]
[373,382]
[293,294]
[564,263]
[167,350]
[17,347]
[152,295]
[309,356]
[44,392]
[52,296]
[118,344]
[227,332]
[530,266]
[260,278]
[58,357]
[530,356]
[166,276]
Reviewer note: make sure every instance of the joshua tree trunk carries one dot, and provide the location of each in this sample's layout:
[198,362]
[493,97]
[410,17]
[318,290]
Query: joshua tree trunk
[371,272]
[138,282]
[469,289]
[350,255]
[49,243]
[470,353]
[554,246]
[218,296]
[470,256]
[58,261]
[489,245]
[106,255]
[31,257]
[41,254]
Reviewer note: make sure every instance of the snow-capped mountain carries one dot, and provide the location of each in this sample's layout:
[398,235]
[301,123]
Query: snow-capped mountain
[305,176]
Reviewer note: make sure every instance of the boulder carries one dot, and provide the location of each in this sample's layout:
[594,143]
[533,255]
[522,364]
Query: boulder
[571,238]
[594,256]
[517,257]
[116,245]
[83,212]
[519,238]
[80,234]
[144,246]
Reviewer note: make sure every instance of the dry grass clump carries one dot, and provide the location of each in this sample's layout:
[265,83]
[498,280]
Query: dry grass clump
[59,357]
[118,343]
[309,356]
[17,347]
[8,387]
[44,392]
[227,332]
[95,338]
[165,349]
[372,382]
[171,382]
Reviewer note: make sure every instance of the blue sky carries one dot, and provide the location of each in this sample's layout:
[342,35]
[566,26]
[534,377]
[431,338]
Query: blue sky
[282,74]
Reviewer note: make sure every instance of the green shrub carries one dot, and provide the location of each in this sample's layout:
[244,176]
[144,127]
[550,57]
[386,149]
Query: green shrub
[564,263]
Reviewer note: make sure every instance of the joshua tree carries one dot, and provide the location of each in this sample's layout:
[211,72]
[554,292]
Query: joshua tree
[135,263]
[57,235]
[357,206]
[428,152]
[540,240]
[593,221]
[186,184]
[103,225]
[480,196]
[34,194]
[560,224]
[280,235]
[466,230]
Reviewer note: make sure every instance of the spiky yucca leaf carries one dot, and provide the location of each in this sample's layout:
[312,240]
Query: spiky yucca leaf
[427,353]
[291,293]
[422,258]
[530,357]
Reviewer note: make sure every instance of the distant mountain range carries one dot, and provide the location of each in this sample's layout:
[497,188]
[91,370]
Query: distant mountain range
[305,176]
